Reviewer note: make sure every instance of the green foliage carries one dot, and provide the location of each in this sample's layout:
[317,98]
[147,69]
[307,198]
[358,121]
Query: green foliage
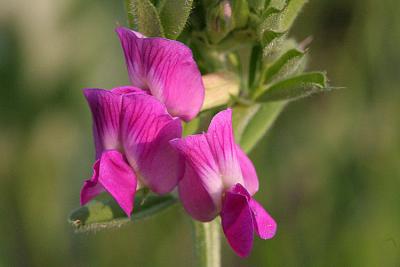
[106,213]
[276,4]
[296,87]
[276,22]
[173,16]
[144,18]
[191,126]
[280,17]
[250,123]
[288,64]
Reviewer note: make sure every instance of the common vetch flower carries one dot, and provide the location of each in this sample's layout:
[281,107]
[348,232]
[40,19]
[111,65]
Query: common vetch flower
[219,179]
[131,132]
[165,69]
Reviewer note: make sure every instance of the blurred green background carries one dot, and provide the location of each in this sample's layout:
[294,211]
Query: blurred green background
[329,169]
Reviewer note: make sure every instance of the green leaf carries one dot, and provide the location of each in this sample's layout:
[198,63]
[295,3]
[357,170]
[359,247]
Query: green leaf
[271,40]
[257,5]
[290,13]
[289,63]
[250,123]
[240,13]
[255,63]
[280,20]
[106,213]
[277,4]
[174,15]
[241,117]
[191,126]
[296,87]
[144,17]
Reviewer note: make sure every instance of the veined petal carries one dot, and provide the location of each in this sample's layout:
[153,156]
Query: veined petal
[113,174]
[146,129]
[124,90]
[223,148]
[105,106]
[167,69]
[264,224]
[195,198]
[237,221]
[248,171]
[198,156]
[163,167]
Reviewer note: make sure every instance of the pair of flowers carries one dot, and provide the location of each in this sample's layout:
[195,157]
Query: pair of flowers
[138,139]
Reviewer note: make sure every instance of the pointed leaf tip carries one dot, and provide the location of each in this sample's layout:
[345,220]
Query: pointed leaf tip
[295,87]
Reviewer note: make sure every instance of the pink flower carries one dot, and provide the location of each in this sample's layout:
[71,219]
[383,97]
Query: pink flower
[219,179]
[131,131]
[166,69]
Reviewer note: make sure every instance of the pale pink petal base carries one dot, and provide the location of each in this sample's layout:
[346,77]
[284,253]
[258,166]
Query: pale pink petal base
[112,174]
[223,148]
[248,171]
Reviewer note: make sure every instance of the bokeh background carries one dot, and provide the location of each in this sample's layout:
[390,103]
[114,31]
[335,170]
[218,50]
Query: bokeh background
[329,168]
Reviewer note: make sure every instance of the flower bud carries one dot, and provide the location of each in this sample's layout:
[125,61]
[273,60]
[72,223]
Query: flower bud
[225,16]
[219,88]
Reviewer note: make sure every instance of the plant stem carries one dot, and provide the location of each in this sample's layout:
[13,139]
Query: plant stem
[207,243]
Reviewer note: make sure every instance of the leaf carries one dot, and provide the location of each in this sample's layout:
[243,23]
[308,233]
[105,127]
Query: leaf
[191,126]
[290,13]
[106,213]
[241,116]
[252,122]
[277,4]
[219,88]
[296,87]
[254,73]
[174,15]
[288,64]
[257,5]
[272,43]
[280,20]
[144,17]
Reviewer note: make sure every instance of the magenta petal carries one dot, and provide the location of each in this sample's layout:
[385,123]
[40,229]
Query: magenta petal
[146,129]
[223,148]
[105,106]
[163,166]
[237,222]
[265,225]
[124,90]
[118,178]
[197,154]
[91,188]
[248,171]
[195,199]
[167,69]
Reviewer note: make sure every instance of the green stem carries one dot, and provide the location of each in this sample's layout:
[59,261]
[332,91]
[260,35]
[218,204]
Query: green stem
[207,243]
